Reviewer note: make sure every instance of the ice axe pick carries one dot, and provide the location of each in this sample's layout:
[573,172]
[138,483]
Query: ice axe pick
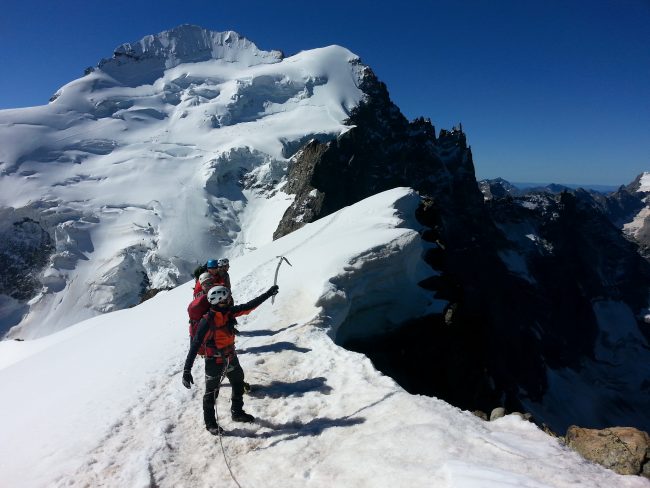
[275,279]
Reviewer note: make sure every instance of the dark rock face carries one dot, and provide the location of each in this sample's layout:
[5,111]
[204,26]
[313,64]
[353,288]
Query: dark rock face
[497,188]
[534,282]
[624,206]
[38,244]
[643,238]
[25,247]
[620,205]
[530,285]
[382,151]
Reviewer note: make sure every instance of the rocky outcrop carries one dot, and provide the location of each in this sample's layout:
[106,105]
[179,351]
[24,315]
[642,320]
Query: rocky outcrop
[622,449]
[620,206]
[382,150]
[628,209]
[497,188]
[25,247]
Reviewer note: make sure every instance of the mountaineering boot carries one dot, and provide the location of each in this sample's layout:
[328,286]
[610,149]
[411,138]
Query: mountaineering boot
[241,416]
[215,429]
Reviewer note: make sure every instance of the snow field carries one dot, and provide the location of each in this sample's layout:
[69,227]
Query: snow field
[101,403]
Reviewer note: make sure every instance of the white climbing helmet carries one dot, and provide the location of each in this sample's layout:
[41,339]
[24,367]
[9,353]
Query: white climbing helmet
[218,294]
[205,277]
[223,262]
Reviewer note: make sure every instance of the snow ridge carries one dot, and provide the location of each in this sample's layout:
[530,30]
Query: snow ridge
[183,44]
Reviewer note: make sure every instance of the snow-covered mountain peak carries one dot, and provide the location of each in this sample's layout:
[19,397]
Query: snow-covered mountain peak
[143,61]
[153,162]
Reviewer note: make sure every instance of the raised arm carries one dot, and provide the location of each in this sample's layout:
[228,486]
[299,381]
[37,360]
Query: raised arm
[248,307]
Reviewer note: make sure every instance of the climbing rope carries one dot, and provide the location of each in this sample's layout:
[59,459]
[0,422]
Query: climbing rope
[223,450]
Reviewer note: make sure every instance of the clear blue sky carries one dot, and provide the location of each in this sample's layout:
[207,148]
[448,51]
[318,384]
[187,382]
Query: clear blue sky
[547,90]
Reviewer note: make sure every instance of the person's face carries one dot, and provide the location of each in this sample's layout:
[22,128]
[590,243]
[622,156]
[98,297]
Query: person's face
[213,271]
[206,286]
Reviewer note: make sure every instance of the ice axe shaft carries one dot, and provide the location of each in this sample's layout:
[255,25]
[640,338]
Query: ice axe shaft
[277,269]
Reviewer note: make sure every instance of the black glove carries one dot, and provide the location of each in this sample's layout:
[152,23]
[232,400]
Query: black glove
[187,378]
[273,291]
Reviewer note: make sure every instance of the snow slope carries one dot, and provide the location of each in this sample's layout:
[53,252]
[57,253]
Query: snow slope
[101,403]
[156,160]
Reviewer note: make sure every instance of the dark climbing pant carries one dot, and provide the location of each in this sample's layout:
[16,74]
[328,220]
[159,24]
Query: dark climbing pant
[213,372]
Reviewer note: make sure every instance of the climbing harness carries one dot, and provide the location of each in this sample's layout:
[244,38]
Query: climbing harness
[275,280]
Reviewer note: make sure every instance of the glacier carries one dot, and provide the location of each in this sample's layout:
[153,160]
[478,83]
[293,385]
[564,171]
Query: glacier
[158,159]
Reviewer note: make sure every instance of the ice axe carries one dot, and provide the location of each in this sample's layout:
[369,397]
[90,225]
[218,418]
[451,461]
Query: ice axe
[275,280]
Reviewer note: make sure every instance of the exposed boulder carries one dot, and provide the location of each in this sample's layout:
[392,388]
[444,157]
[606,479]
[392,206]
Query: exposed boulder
[497,413]
[625,450]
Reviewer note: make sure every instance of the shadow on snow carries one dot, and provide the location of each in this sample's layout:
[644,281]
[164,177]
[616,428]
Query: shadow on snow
[265,332]
[282,389]
[294,430]
[277,347]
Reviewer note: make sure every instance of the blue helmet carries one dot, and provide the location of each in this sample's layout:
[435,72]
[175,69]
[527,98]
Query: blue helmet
[212,263]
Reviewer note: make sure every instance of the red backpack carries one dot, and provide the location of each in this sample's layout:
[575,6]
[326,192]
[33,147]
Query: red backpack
[197,309]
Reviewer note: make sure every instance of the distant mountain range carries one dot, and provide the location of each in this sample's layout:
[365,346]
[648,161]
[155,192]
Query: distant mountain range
[626,206]
[523,188]
[559,186]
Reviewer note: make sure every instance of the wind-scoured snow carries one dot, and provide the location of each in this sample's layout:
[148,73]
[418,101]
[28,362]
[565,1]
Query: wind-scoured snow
[101,403]
[146,159]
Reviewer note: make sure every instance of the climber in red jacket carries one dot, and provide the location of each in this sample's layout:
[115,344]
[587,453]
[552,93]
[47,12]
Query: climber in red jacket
[216,339]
